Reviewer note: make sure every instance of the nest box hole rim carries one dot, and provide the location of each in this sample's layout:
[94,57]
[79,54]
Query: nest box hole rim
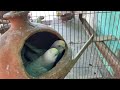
[49,37]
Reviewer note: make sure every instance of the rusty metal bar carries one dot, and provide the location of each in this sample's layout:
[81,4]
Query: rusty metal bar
[109,56]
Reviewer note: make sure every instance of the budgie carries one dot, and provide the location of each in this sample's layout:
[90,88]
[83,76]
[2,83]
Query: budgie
[60,46]
[43,64]
[33,53]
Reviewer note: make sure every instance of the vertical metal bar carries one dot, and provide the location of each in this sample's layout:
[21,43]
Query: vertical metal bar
[31,15]
[53,22]
[49,18]
[45,15]
[78,41]
[36,16]
[91,44]
[74,33]
[93,51]
[80,47]
[58,24]
[83,38]
[70,34]
[75,43]
[66,27]
[78,32]
[80,29]
[62,28]
[96,67]
[85,51]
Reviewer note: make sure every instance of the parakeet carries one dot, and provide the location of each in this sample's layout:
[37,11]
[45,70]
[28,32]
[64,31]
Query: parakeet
[43,64]
[60,46]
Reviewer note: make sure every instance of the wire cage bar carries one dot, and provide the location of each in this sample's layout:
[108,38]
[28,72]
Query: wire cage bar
[76,27]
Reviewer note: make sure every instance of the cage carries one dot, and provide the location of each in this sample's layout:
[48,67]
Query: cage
[93,35]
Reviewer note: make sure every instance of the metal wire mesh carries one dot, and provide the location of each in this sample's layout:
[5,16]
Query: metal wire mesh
[91,64]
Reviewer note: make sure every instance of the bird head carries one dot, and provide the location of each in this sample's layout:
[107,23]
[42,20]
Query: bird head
[51,55]
[59,44]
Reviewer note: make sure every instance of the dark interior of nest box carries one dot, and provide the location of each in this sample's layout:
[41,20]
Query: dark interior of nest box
[41,40]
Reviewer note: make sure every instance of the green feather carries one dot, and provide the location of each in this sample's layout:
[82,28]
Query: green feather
[35,69]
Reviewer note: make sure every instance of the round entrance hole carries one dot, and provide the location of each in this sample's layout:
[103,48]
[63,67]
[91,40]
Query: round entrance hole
[40,40]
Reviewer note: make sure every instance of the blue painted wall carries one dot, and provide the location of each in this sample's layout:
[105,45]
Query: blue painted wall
[109,24]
